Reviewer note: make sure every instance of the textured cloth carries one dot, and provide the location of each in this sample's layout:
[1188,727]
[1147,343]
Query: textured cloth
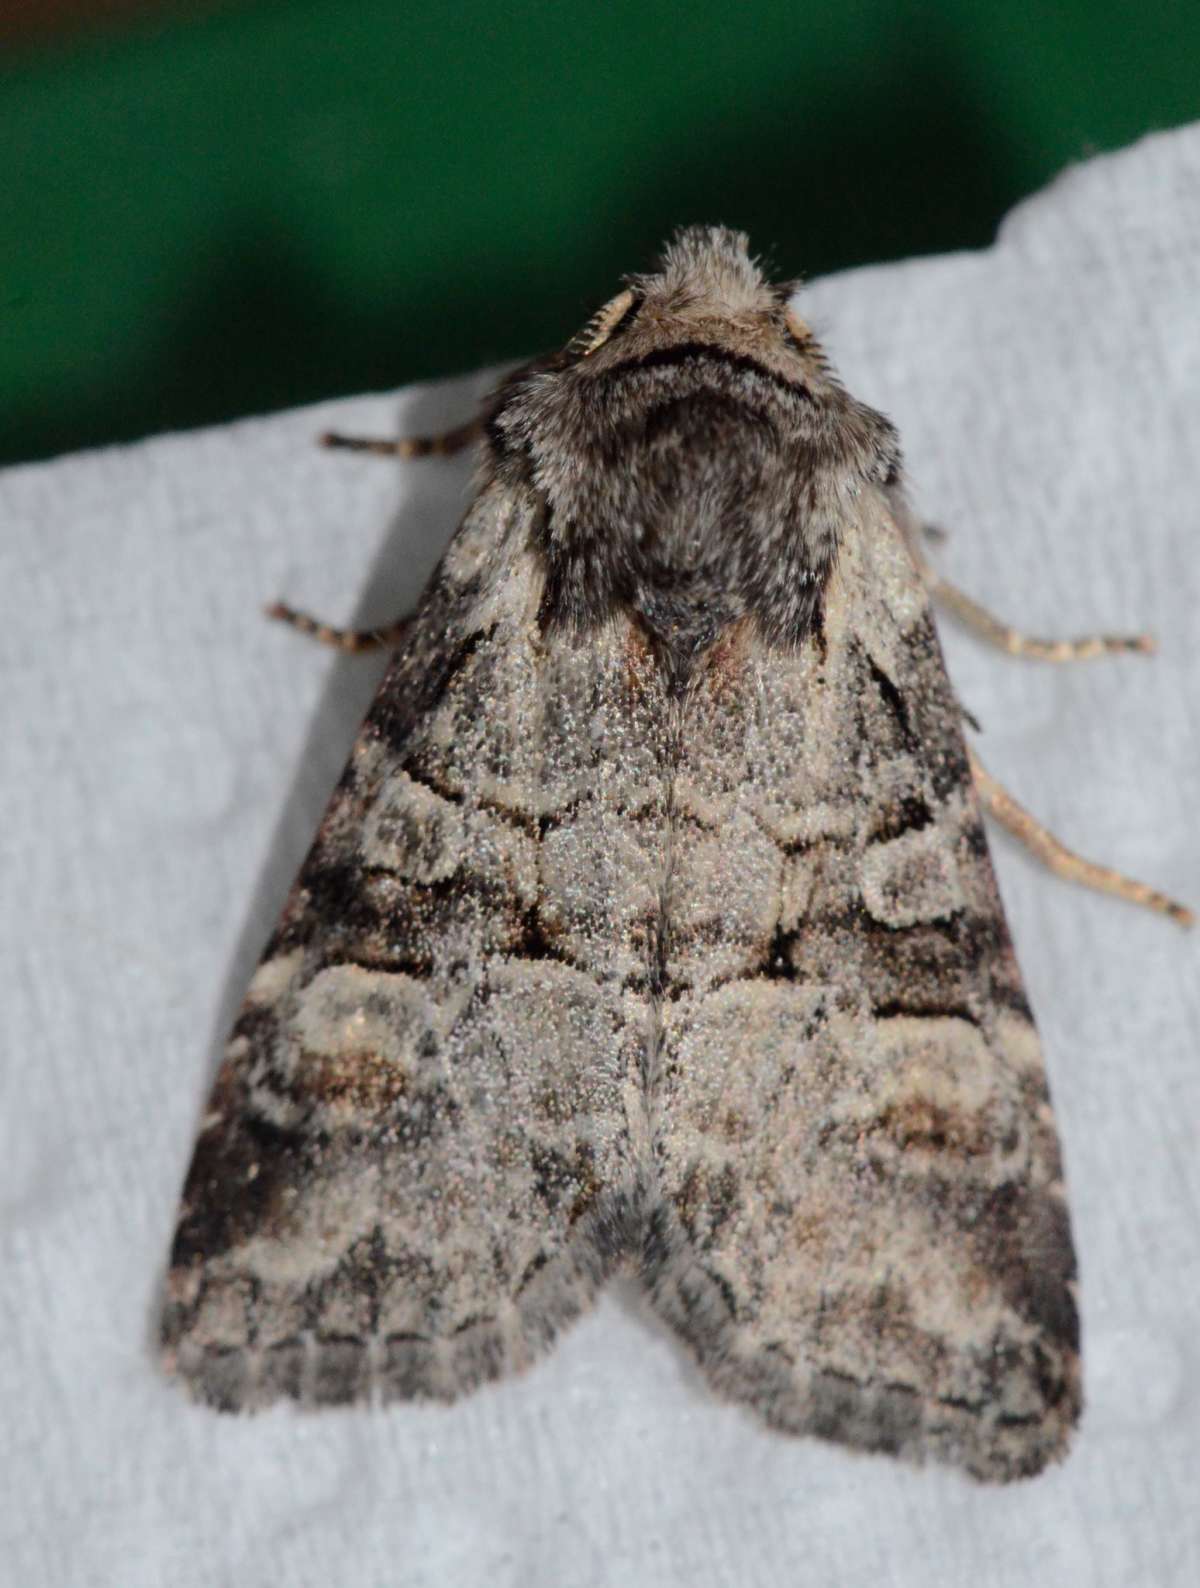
[167,755]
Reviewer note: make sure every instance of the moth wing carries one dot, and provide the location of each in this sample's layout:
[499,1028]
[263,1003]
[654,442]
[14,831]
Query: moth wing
[863,1230]
[417,1161]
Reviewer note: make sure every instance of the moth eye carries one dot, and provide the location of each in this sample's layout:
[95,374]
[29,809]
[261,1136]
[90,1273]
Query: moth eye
[603,323]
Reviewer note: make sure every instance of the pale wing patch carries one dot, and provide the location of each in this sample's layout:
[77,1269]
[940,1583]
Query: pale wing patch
[364,1042]
[722,918]
[937,1096]
[273,978]
[911,878]
[600,885]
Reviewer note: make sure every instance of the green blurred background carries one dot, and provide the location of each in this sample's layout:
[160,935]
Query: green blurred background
[209,211]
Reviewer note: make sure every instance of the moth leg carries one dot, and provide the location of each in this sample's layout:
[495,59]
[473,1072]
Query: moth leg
[359,640]
[355,640]
[1058,858]
[449,442]
[1014,642]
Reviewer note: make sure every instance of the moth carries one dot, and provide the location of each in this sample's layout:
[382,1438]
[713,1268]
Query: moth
[651,928]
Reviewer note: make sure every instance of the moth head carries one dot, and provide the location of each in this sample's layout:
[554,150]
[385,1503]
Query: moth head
[705,273]
[710,268]
[709,286]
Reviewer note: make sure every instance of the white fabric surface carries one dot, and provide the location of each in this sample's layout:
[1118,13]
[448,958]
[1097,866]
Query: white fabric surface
[166,755]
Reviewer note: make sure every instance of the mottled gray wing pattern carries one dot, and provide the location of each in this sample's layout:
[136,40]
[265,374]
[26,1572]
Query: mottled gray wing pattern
[421,1153]
[863,1230]
[587,967]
